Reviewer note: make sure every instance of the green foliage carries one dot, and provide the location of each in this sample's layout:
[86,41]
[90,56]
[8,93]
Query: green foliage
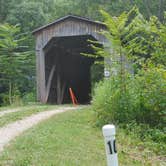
[145,39]
[4,9]
[16,97]
[13,58]
[140,110]
[4,98]
[47,144]
[139,97]
[96,74]
[150,92]
[110,104]
[29,97]
[159,41]
[154,138]
[28,15]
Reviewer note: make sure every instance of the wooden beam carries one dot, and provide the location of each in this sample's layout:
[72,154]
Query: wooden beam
[38,74]
[48,86]
[42,75]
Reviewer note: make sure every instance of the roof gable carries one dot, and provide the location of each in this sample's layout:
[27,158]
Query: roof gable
[68,17]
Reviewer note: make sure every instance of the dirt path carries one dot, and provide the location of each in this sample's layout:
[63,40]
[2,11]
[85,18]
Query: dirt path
[10,131]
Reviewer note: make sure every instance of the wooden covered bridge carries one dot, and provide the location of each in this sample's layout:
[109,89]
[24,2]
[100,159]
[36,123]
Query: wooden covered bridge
[58,61]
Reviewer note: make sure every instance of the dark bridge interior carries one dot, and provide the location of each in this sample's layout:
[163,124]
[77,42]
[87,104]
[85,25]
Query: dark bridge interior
[72,70]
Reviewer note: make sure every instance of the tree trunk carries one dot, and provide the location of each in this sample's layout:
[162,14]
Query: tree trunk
[160,11]
[10,92]
[146,2]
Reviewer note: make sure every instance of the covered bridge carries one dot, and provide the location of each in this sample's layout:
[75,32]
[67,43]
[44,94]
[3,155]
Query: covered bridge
[58,61]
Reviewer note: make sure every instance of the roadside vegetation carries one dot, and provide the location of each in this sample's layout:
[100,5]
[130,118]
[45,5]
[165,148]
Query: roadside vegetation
[134,97]
[71,139]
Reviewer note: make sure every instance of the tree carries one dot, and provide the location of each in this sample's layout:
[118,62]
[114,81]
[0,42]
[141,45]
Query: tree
[159,41]
[136,38]
[4,9]
[138,96]
[13,57]
[29,15]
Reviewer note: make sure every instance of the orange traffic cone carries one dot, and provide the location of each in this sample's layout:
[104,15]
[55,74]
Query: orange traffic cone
[73,98]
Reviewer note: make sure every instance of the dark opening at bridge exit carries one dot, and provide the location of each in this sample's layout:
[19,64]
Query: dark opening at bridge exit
[71,68]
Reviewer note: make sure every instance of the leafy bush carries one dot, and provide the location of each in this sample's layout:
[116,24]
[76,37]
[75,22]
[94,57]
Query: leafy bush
[150,91]
[136,102]
[110,103]
[5,99]
[96,74]
[29,97]
[148,136]
[141,98]
[16,99]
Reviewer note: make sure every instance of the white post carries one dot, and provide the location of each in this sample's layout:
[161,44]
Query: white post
[110,145]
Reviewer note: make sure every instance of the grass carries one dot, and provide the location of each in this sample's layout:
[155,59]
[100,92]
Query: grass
[9,107]
[69,139]
[132,149]
[22,113]
[4,108]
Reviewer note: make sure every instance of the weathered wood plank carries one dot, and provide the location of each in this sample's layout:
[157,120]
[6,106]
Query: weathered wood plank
[48,86]
[42,75]
[38,76]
